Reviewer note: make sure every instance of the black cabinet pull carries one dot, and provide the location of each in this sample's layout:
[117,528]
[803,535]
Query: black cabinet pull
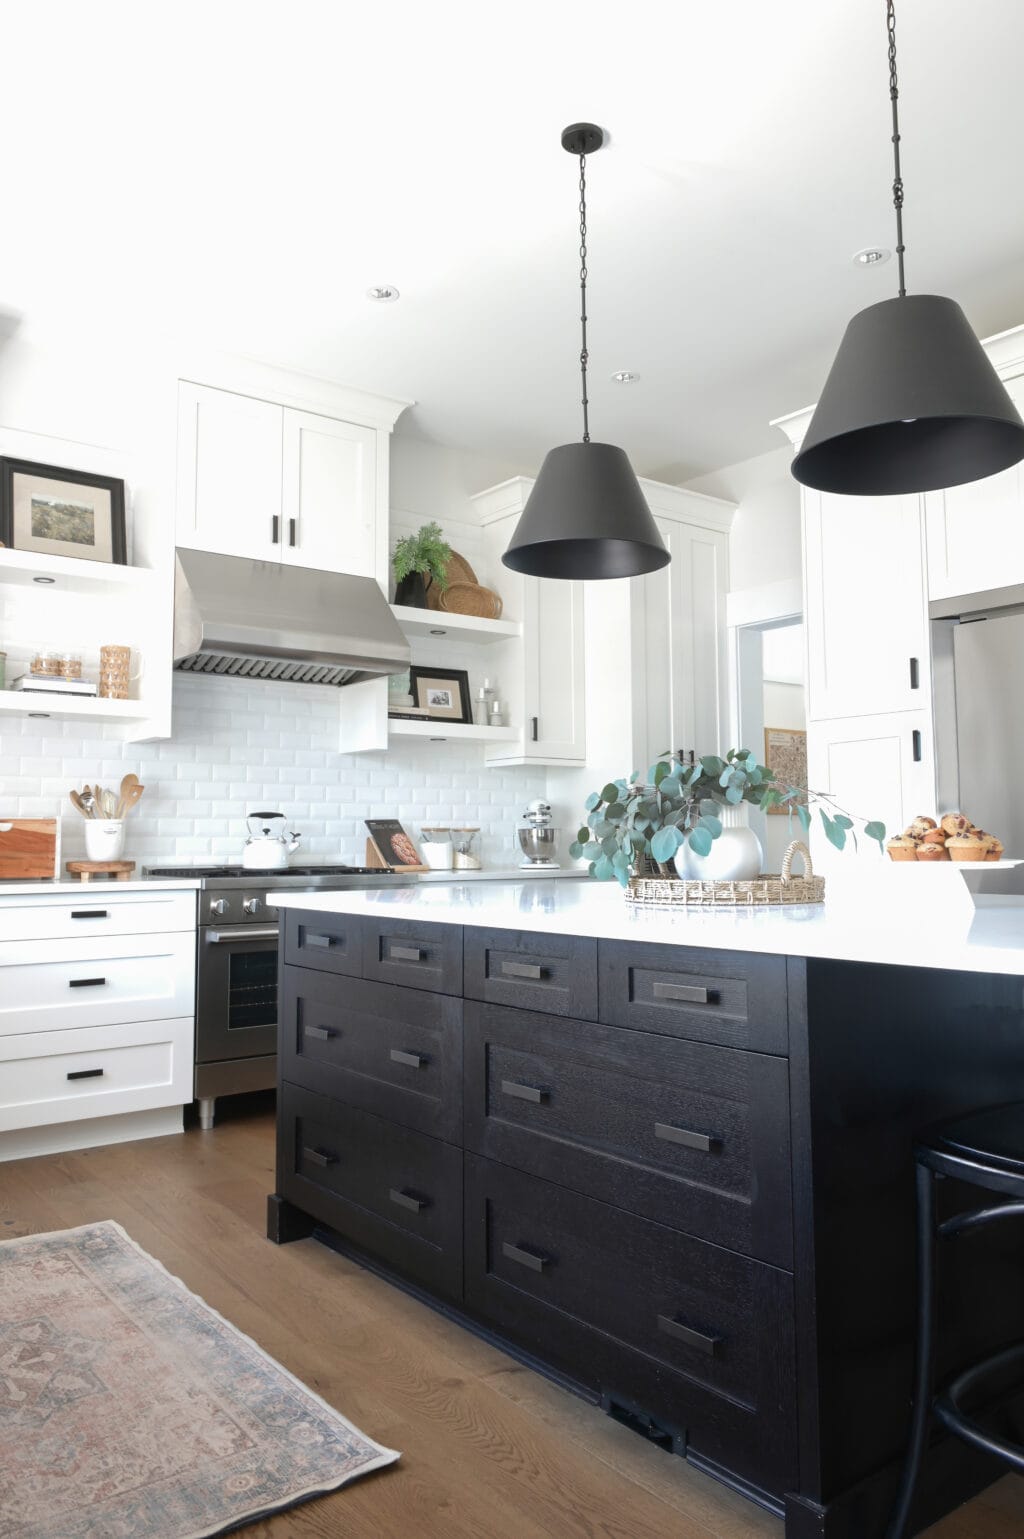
[673,1135]
[535,724]
[85,983]
[318,940]
[524,1092]
[84,1073]
[291,531]
[404,1199]
[915,738]
[411,1060]
[534,1259]
[321,1033]
[915,681]
[90,913]
[406,954]
[522,970]
[685,1333]
[685,993]
[318,1157]
[275,527]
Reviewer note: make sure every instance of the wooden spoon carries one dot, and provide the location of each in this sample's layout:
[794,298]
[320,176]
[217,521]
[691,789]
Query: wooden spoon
[131,798]
[123,803]
[78,802]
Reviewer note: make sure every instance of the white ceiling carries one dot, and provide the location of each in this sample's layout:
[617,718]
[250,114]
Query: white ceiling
[243,171]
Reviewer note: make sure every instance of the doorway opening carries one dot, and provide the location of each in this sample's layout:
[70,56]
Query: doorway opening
[771,714]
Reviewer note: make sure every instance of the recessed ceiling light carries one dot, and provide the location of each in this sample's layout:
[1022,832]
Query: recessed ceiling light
[383,293]
[871,256]
[625,377]
[44,579]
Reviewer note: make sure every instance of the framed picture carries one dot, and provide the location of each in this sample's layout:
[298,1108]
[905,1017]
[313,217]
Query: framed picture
[57,512]
[442,693]
[785,752]
[392,845]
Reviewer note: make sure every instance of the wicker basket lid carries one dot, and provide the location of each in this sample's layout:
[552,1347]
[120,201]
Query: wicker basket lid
[458,569]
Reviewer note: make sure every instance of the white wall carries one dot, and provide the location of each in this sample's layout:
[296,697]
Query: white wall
[764,542]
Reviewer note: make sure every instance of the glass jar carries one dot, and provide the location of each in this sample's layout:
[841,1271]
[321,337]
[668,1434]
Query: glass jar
[70,665]
[466,848]
[49,665]
[437,847]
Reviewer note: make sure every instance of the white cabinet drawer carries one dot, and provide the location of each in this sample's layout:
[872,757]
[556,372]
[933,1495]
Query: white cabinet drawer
[57,985]
[95,1072]
[51,916]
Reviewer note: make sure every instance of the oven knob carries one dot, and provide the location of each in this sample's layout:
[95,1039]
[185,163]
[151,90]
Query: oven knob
[251,906]
[217,905]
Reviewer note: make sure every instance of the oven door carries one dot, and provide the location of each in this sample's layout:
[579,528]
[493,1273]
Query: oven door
[236,992]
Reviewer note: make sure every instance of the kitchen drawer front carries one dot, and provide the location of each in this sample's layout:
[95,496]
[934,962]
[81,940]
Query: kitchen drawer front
[553,973]
[327,943]
[695,1336]
[691,1136]
[395,1052]
[92,914]
[395,1193]
[95,1071]
[732,998]
[60,985]
[415,955]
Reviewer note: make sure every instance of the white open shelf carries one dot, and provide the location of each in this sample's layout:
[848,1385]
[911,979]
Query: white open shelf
[17,702]
[73,576]
[468,628]
[467,732]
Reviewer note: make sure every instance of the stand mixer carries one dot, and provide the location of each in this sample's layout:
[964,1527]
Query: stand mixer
[538,840]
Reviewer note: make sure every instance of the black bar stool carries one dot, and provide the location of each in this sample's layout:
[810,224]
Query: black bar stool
[984,1149]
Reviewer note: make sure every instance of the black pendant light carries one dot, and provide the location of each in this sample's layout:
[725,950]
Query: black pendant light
[912,403]
[586,516]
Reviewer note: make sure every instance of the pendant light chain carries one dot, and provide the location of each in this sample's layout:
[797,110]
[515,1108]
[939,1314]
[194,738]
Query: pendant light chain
[897,186]
[583,295]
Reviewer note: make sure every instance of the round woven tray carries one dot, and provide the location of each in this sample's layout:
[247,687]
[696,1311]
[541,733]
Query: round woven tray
[757,892]
[457,570]
[468,598]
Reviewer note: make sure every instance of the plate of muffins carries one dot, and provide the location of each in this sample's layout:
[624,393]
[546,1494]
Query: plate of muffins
[953,837]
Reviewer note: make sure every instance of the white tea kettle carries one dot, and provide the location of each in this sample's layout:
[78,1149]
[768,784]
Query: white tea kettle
[270,842]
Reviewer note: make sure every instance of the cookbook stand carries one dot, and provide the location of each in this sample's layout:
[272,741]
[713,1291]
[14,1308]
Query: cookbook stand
[375,859]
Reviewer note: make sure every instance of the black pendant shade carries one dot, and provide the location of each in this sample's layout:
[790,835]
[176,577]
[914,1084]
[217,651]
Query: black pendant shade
[586,518]
[911,404]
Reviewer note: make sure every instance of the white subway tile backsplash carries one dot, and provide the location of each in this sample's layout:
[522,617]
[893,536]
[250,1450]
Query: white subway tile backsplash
[239,748]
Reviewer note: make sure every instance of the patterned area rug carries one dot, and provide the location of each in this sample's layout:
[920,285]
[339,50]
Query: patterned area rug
[131,1410]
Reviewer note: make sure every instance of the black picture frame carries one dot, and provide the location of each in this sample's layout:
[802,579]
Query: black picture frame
[440,677]
[12,469]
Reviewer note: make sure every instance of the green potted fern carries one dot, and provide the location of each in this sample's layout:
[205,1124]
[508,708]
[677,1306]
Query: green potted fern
[419,560]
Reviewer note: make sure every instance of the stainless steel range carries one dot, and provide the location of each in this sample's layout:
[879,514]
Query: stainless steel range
[236,969]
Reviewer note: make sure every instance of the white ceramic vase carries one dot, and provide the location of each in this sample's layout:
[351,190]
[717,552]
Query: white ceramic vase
[736,854]
[104,838]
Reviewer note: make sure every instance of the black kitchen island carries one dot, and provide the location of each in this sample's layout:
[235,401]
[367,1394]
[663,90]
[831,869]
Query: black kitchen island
[674,1175]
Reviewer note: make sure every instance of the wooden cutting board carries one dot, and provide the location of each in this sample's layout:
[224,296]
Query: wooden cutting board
[28,847]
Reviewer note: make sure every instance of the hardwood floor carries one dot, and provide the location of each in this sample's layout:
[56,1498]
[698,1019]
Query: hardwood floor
[489,1449]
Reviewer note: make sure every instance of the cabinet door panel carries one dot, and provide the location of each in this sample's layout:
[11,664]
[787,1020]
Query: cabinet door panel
[229,473]
[329,502]
[868,765]
[867,611]
[976,535]
[554,694]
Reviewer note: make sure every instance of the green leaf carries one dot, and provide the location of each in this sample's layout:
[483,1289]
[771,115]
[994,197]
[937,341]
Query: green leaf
[672,786]
[713,826]
[734,795]
[700,841]
[575,850]
[803,813]
[610,846]
[620,860]
[583,835]
[843,820]
[713,765]
[615,813]
[665,843]
[833,833]
[610,792]
[591,851]
[603,869]
[592,801]
[661,772]
[876,831]
[727,777]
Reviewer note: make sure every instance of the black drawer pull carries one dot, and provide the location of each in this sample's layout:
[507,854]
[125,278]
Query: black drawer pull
[523,970]
[685,993]
[685,1333]
[318,940]
[406,954]
[411,1060]
[524,1092]
[915,745]
[915,679]
[321,1033]
[84,1073]
[692,1140]
[318,1157]
[85,983]
[405,1199]
[90,913]
[534,1259]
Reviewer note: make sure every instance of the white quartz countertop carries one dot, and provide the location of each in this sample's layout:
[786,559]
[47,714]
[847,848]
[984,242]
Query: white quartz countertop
[40,886]
[510,874]
[911,923]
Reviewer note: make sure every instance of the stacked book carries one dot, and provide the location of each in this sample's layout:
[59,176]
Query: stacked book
[54,684]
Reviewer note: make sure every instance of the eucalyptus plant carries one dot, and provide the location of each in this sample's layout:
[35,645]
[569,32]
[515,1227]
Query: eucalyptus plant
[426,551]
[634,820]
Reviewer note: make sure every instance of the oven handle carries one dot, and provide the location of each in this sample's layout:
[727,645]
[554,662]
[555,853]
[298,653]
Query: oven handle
[241,932]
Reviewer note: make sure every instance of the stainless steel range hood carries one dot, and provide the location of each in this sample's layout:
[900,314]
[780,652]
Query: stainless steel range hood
[258,620]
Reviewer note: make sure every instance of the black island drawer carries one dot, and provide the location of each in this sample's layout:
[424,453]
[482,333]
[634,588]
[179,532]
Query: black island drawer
[395,1193]
[413,954]
[692,1136]
[553,973]
[329,943]
[732,998]
[395,1052]
[694,1336]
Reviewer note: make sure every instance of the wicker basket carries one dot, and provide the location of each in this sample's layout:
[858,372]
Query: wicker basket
[458,569]
[758,892]
[468,598]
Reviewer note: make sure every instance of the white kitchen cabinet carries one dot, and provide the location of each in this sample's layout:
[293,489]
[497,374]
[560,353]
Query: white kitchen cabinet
[866,605]
[230,450]
[976,535]
[878,768]
[329,494]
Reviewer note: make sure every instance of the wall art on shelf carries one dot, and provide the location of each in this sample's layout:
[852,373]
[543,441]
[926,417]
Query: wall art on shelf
[56,512]
[442,693]
[785,752]
[390,846]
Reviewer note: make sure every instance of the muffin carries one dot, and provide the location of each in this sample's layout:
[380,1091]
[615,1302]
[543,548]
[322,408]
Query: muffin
[954,823]
[967,847]
[903,848]
[927,851]
[995,848]
[919,827]
[935,836]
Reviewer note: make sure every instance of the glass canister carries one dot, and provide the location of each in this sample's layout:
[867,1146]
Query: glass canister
[466,848]
[437,847]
